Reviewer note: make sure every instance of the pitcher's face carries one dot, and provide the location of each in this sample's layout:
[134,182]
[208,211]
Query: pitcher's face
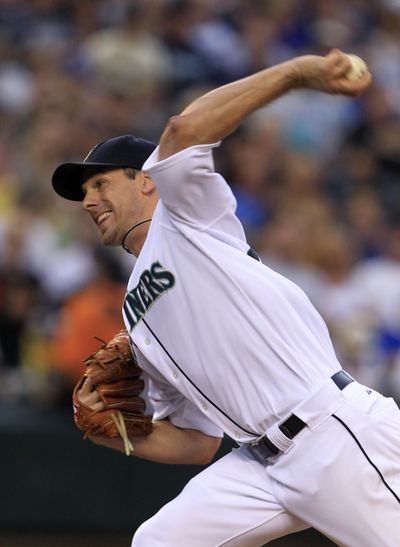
[115,202]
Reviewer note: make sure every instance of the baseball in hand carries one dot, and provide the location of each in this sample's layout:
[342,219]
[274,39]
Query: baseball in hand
[358,67]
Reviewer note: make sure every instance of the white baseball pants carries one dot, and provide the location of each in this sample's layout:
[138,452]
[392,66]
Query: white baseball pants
[341,477]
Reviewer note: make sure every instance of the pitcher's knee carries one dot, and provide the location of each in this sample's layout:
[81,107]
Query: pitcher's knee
[143,535]
[157,533]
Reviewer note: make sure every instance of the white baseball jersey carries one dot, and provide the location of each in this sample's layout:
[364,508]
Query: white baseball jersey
[229,345]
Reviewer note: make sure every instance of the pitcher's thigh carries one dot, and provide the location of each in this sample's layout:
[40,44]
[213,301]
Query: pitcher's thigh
[230,503]
[344,478]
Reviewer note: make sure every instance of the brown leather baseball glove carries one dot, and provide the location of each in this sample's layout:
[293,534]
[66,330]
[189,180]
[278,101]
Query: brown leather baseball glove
[115,375]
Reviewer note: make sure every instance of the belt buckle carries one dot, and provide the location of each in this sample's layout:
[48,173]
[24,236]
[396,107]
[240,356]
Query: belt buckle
[264,449]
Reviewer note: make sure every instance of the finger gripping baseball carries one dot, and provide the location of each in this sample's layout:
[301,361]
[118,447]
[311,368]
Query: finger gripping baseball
[115,379]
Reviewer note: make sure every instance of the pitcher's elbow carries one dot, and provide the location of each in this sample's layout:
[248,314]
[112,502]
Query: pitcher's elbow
[179,133]
[209,451]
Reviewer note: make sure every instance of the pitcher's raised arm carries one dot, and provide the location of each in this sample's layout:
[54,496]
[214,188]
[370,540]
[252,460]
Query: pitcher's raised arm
[218,113]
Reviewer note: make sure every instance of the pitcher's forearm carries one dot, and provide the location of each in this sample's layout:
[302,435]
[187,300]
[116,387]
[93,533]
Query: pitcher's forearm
[169,444]
[219,112]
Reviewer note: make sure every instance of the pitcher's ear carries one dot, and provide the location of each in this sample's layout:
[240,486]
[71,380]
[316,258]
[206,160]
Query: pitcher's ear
[148,185]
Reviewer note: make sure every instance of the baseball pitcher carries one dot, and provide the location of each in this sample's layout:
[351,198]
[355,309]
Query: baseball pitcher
[227,345]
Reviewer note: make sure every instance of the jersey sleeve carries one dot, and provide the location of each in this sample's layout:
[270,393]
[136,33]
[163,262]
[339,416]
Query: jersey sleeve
[169,403]
[189,187]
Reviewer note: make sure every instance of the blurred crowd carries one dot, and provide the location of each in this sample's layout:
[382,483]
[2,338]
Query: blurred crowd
[316,177]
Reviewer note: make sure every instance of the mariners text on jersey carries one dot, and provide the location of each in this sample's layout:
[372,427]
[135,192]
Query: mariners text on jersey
[153,282]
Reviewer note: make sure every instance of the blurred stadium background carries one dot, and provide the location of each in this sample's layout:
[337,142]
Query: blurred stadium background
[316,179]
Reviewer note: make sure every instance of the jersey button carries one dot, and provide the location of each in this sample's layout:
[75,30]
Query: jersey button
[205,407]
[147,341]
[175,375]
[237,435]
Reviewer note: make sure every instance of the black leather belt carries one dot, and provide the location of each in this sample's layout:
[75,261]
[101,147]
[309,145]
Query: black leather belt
[264,448]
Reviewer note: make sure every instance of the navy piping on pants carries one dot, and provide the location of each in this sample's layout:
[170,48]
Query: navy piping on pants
[397,498]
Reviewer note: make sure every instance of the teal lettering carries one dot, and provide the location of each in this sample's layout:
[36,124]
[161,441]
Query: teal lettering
[144,294]
[154,288]
[152,284]
[131,320]
[165,277]
[135,303]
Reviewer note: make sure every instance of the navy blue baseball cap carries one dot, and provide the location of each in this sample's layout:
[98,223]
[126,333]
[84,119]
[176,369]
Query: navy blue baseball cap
[118,152]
